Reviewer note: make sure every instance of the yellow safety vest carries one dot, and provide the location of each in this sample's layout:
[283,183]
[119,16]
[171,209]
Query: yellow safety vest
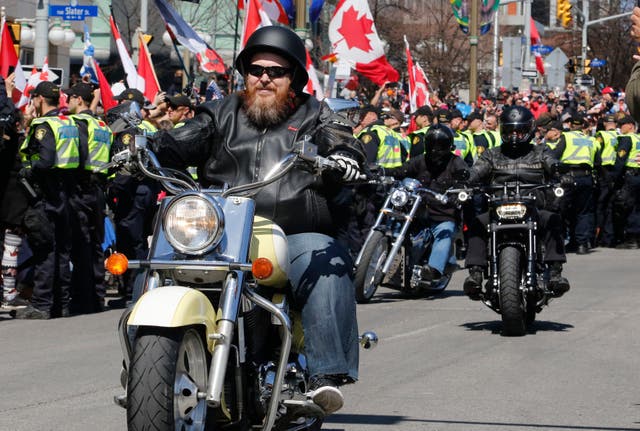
[65,134]
[99,142]
[390,147]
[634,151]
[417,135]
[580,149]
[609,146]
[495,140]
[463,146]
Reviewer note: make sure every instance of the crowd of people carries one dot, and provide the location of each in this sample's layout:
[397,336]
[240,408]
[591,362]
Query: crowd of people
[56,188]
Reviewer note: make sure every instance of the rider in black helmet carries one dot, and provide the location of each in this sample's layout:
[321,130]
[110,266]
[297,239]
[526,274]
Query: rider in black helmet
[516,159]
[237,140]
[438,170]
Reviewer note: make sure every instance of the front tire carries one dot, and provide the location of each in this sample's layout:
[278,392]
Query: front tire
[168,369]
[511,301]
[368,274]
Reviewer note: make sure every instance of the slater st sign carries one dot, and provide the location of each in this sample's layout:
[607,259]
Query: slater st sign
[72,13]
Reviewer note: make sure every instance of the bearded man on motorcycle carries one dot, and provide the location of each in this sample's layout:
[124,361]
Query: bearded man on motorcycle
[438,169]
[237,140]
[517,159]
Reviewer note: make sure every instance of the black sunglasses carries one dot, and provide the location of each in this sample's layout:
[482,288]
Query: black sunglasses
[271,71]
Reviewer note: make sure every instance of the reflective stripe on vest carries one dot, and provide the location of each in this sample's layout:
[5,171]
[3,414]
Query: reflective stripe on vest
[610,145]
[389,149]
[65,134]
[99,142]
[580,149]
[147,127]
[634,151]
[462,146]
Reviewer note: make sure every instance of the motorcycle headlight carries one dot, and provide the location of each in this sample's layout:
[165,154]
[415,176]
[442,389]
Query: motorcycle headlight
[399,198]
[193,223]
[511,211]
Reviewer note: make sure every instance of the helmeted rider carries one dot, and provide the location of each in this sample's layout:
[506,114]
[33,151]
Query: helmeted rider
[437,170]
[237,140]
[517,159]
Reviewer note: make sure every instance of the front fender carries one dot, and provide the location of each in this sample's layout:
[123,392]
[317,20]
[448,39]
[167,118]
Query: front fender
[172,307]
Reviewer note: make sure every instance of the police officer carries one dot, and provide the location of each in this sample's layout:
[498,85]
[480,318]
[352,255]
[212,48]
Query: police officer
[627,175]
[51,156]
[453,119]
[481,138]
[608,142]
[179,109]
[88,204]
[423,117]
[385,146]
[578,152]
[133,198]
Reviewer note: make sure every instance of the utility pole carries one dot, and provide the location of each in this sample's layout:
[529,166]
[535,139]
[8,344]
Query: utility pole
[473,57]
[41,44]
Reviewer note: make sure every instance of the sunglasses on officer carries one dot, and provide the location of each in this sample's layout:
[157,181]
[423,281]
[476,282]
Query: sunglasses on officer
[271,71]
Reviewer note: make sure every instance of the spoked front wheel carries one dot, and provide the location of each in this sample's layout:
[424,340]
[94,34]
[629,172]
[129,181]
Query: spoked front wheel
[368,275]
[168,369]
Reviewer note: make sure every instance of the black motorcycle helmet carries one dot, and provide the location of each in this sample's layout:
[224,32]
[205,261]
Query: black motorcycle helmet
[438,144]
[278,40]
[517,127]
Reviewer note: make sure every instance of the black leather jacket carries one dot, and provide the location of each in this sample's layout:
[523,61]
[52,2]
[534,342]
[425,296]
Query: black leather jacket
[532,165]
[227,149]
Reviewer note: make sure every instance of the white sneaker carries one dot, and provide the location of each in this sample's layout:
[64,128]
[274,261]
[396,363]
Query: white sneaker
[328,398]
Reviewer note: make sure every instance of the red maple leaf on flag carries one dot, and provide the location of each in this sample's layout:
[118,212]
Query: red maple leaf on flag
[355,38]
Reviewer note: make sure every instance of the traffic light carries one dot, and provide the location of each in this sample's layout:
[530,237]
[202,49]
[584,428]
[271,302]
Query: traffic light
[564,13]
[15,29]
[587,67]
[570,66]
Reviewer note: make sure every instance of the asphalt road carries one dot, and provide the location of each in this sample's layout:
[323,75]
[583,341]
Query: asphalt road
[441,364]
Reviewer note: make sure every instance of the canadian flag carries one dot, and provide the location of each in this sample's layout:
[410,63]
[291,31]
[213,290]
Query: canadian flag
[418,84]
[146,72]
[35,79]
[354,39]
[106,95]
[127,63]
[275,11]
[313,85]
[9,58]
[254,17]
[535,40]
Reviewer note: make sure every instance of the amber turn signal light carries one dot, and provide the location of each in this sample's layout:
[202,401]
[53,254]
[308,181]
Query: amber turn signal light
[117,263]
[262,268]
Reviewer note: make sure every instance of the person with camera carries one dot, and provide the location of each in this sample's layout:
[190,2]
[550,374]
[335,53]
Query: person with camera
[237,140]
[517,159]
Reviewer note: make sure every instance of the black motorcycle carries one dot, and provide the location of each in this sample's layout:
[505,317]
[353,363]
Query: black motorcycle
[517,284]
[397,246]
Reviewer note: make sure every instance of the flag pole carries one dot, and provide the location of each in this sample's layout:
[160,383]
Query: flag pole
[175,46]
[235,48]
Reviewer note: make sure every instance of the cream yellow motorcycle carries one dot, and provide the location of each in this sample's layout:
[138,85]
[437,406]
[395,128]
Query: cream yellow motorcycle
[211,343]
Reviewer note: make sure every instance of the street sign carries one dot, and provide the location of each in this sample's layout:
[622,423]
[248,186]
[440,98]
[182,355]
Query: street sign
[596,62]
[586,80]
[529,73]
[72,13]
[542,49]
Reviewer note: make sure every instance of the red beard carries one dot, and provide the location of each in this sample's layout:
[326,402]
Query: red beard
[269,111]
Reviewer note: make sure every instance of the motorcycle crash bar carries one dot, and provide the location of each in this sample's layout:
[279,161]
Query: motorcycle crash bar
[117,264]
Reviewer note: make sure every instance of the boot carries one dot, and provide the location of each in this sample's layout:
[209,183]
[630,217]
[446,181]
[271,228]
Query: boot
[473,283]
[427,273]
[557,283]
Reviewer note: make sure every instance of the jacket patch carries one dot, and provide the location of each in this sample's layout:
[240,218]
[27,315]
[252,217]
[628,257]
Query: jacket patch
[293,129]
[40,133]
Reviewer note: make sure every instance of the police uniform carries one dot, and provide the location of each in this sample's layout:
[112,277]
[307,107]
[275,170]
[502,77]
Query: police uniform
[608,142]
[579,152]
[87,284]
[50,156]
[383,146]
[627,175]
[134,203]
